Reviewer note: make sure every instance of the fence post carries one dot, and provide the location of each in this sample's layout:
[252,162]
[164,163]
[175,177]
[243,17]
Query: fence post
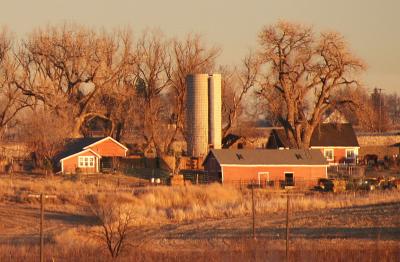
[41,227]
[253,211]
[287,226]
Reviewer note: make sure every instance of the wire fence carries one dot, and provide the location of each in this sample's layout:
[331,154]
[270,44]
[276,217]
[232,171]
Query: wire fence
[118,182]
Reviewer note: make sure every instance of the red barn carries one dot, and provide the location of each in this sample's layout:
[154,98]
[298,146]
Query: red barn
[89,154]
[337,141]
[290,167]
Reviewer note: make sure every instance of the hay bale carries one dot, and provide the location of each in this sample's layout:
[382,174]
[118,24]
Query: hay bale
[177,180]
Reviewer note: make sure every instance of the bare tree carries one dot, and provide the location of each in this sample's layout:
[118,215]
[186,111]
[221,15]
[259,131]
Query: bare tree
[360,112]
[45,135]
[236,84]
[152,66]
[118,100]
[366,111]
[115,219]
[65,67]
[305,70]
[189,56]
[11,99]
[393,107]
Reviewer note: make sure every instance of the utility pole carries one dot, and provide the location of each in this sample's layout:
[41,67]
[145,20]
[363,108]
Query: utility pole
[42,198]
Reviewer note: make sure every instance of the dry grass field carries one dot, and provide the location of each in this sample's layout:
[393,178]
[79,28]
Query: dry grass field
[197,223]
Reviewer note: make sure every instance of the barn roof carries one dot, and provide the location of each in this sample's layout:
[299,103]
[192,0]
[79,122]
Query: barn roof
[229,140]
[324,135]
[75,145]
[334,134]
[268,157]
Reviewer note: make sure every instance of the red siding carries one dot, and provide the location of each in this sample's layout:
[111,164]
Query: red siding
[108,148]
[339,154]
[305,175]
[70,165]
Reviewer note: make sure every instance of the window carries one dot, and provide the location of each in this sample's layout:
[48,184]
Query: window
[289,179]
[328,153]
[86,161]
[350,153]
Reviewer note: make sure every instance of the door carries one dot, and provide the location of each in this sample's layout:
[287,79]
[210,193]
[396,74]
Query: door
[106,164]
[263,179]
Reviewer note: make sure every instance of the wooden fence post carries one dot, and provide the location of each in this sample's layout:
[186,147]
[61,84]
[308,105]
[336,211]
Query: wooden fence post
[41,227]
[253,211]
[287,226]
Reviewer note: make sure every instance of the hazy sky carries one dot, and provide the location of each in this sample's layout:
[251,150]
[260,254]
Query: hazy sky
[371,27]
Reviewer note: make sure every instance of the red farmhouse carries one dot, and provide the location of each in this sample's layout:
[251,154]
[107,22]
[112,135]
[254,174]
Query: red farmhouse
[337,141]
[291,167]
[89,154]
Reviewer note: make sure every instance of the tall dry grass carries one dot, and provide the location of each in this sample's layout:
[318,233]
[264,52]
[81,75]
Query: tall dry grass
[214,250]
[161,204]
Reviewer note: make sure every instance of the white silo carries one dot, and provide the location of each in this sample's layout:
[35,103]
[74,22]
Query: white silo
[214,110]
[197,114]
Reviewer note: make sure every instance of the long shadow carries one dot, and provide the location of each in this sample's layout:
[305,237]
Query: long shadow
[65,217]
[383,233]
[388,204]
[72,219]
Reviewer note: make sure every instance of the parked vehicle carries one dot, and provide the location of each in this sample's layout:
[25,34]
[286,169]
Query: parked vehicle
[370,184]
[331,185]
[392,183]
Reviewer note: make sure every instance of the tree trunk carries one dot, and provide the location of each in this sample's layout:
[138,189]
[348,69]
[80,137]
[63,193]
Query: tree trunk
[76,131]
[118,131]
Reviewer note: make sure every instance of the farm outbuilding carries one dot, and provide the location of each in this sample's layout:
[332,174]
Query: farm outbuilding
[290,167]
[90,155]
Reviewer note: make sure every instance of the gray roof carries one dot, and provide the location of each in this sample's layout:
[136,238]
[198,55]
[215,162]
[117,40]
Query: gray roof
[268,157]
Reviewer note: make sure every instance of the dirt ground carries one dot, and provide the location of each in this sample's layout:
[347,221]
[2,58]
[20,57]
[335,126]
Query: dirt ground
[20,223]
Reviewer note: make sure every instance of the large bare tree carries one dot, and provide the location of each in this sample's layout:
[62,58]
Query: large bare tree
[65,67]
[11,99]
[45,135]
[152,64]
[304,69]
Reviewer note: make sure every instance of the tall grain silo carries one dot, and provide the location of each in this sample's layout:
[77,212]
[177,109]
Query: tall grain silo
[214,110]
[197,114]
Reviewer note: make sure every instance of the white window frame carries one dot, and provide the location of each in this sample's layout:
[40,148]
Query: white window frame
[333,153]
[354,153]
[86,161]
[259,177]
